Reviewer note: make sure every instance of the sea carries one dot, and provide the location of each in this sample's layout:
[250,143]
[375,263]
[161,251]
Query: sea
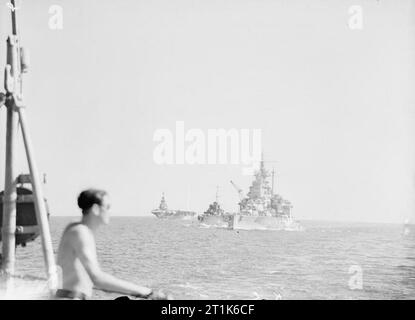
[325,260]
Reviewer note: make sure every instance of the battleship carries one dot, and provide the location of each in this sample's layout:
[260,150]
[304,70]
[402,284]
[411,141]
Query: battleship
[163,212]
[261,208]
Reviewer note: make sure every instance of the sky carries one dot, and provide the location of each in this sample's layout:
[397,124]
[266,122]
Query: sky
[335,105]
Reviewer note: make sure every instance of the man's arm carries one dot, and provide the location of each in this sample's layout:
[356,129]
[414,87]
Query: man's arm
[84,245]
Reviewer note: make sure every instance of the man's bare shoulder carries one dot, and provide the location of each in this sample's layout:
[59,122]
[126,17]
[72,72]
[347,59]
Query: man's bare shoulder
[78,231]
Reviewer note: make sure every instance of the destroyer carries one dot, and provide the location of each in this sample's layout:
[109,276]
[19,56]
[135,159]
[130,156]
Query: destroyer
[215,216]
[163,212]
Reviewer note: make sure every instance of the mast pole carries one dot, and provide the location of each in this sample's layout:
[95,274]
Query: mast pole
[40,208]
[16,112]
[10,194]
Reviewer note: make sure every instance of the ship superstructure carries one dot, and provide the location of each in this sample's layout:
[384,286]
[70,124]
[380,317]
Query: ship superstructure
[215,215]
[261,200]
[262,208]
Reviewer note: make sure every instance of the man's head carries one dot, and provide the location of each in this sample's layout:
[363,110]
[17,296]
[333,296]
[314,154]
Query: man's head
[95,203]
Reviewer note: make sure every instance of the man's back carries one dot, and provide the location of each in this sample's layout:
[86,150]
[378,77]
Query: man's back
[77,254]
[74,276]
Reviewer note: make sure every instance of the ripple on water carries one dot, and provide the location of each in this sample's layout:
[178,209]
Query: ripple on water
[209,263]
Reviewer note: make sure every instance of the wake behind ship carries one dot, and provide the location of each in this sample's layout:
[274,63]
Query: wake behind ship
[163,212]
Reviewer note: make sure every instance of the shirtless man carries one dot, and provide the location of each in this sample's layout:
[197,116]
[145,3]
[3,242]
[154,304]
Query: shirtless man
[78,258]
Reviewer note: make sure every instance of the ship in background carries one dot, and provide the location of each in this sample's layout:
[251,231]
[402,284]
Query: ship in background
[262,209]
[163,211]
[215,216]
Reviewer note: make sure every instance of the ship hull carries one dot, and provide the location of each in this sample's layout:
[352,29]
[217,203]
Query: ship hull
[246,222]
[217,221]
[175,215]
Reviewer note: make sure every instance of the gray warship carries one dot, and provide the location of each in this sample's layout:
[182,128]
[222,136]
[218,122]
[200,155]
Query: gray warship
[163,212]
[262,209]
[215,216]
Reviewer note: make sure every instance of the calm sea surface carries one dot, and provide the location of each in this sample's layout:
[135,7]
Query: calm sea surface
[325,261]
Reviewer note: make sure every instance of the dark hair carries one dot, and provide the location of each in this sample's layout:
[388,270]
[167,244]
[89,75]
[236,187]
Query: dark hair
[88,198]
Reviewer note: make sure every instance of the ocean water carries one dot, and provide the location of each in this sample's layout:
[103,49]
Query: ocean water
[326,260]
